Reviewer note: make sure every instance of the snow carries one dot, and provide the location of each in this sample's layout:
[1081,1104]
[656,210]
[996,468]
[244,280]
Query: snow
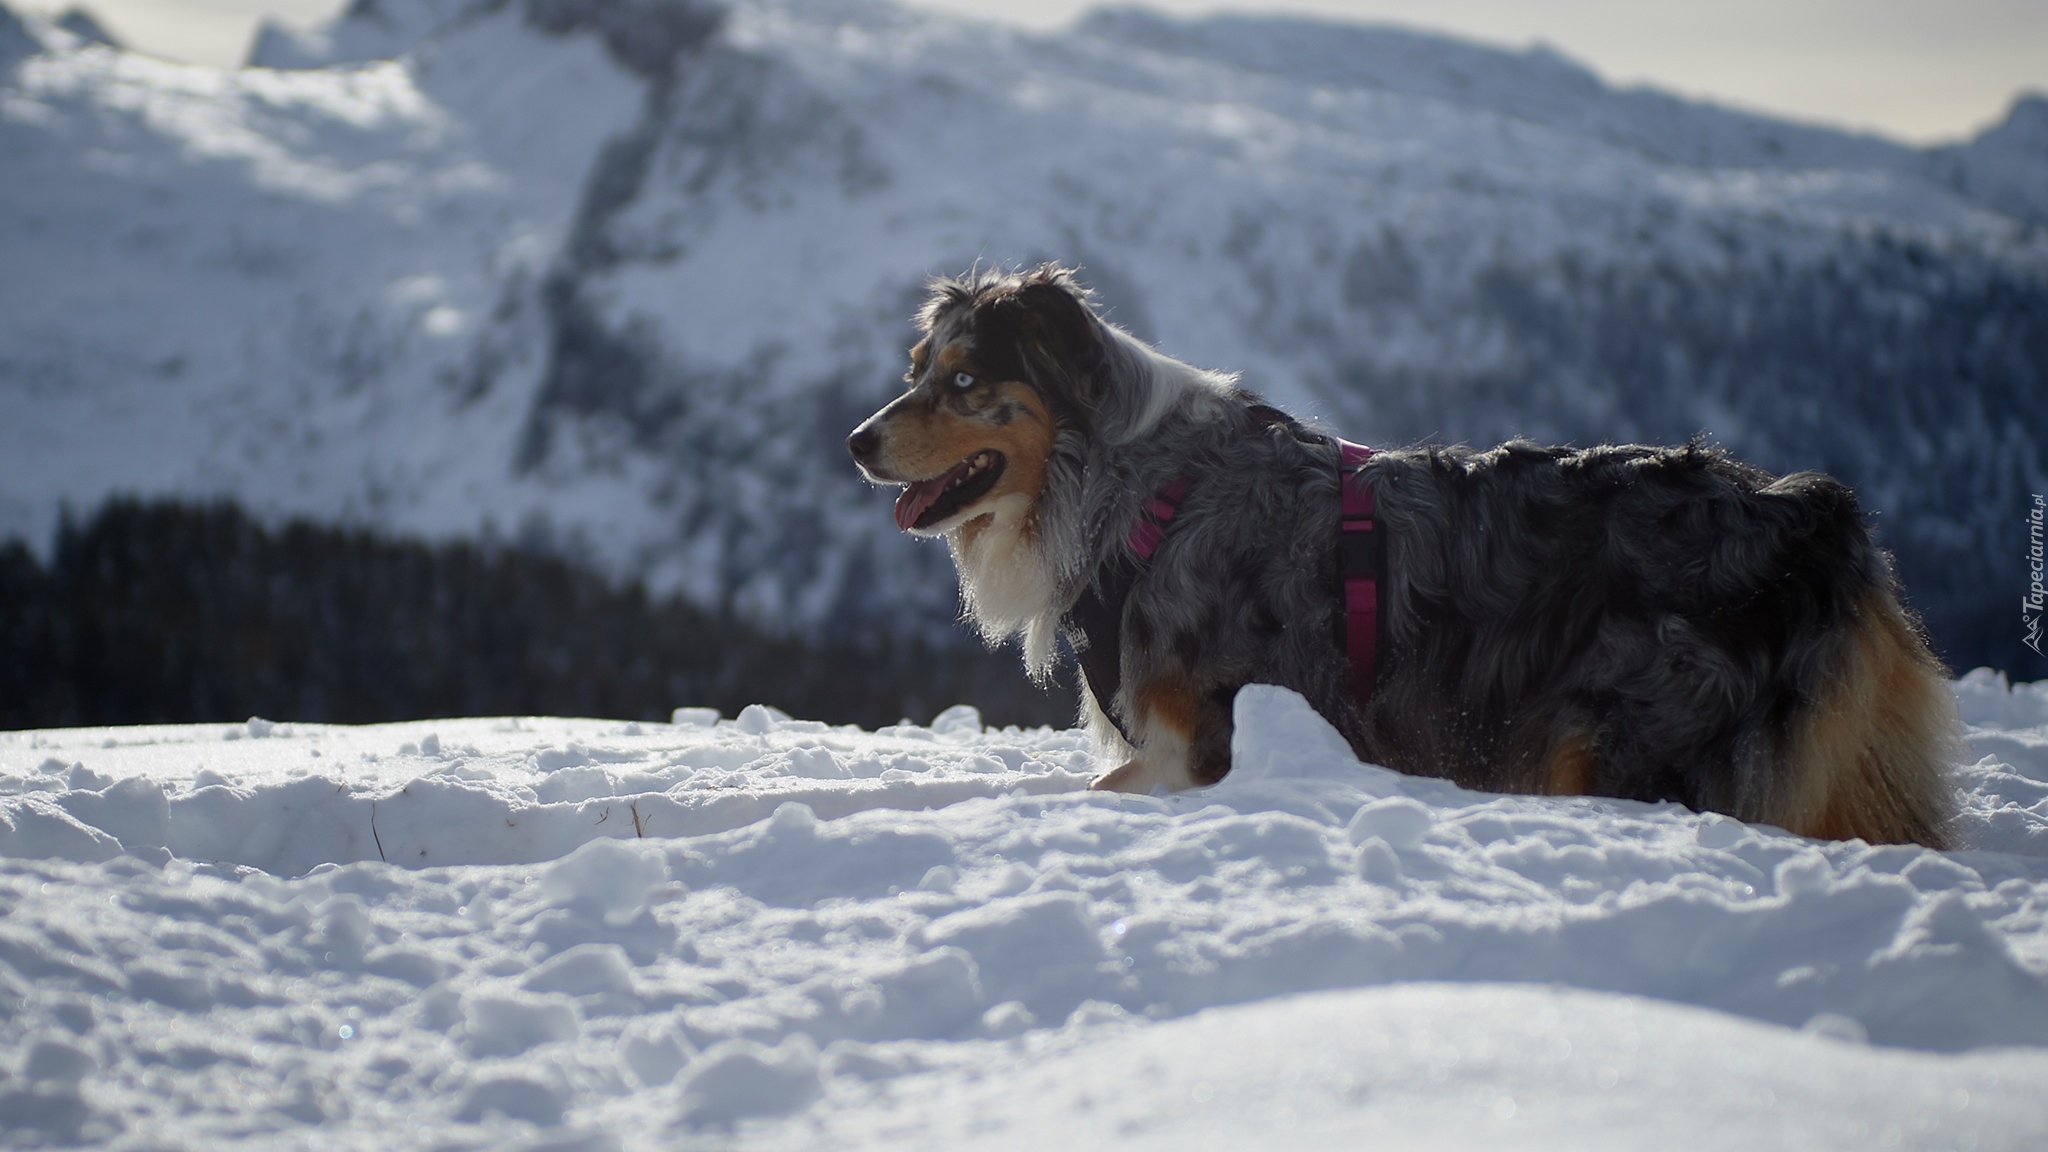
[768,932]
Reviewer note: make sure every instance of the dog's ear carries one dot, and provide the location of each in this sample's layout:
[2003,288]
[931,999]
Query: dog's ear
[1057,336]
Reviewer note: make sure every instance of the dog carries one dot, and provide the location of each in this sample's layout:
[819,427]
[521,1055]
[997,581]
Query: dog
[1650,623]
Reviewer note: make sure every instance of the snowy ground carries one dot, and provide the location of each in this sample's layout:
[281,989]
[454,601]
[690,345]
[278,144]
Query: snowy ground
[760,932]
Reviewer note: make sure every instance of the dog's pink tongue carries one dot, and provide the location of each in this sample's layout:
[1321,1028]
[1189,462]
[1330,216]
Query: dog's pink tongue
[916,499]
[920,495]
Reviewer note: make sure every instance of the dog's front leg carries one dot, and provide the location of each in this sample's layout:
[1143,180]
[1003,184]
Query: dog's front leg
[1165,717]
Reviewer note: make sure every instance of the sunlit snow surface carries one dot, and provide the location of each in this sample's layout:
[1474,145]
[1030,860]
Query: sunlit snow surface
[760,932]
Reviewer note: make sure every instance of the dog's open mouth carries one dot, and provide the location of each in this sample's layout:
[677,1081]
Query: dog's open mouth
[928,502]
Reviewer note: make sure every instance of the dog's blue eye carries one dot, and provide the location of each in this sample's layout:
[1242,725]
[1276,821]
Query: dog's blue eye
[963,380]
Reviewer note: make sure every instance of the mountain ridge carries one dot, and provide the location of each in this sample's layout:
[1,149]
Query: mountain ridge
[619,276]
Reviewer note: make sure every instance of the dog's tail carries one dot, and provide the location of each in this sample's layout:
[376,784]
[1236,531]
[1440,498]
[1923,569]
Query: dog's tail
[1870,756]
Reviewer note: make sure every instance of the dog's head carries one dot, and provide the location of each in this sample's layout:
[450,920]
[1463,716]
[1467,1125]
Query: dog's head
[1007,361]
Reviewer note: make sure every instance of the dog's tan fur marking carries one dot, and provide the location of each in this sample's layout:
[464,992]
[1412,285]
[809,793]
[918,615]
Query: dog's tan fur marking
[1164,713]
[922,442]
[952,358]
[1025,442]
[1867,756]
[1568,770]
[1169,703]
[927,439]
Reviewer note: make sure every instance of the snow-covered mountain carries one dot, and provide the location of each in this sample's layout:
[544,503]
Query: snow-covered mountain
[623,273]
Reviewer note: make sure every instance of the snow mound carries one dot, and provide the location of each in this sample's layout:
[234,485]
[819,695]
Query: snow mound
[778,933]
[288,798]
[1470,1066]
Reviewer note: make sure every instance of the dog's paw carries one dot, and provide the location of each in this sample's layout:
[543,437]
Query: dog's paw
[1135,776]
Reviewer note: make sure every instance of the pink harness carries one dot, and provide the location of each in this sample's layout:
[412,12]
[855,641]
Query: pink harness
[1360,556]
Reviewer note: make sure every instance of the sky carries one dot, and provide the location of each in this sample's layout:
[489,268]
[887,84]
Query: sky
[1918,70]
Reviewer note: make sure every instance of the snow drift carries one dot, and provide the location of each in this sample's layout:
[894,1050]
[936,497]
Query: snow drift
[567,933]
[619,276]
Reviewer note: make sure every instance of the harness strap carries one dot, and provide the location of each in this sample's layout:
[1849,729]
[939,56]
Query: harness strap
[1361,559]
[1158,513]
[1099,615]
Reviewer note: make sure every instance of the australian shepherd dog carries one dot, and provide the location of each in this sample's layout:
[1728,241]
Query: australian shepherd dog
[1630,621]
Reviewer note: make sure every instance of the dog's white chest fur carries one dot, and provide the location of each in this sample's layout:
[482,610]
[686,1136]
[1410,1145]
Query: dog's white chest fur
[1006,583]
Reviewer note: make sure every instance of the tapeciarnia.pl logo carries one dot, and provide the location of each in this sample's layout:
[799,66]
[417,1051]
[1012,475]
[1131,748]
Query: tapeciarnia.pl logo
[2031,606]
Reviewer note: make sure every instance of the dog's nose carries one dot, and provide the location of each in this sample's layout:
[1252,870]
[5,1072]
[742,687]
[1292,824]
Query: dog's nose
[863,442]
